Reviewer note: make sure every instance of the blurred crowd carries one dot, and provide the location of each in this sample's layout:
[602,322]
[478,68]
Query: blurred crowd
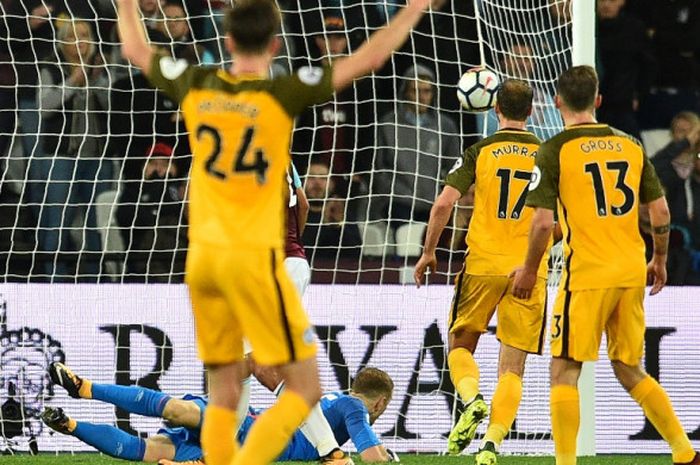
[95,162]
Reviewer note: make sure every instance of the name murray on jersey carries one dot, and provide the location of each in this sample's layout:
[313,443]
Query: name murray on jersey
[513,149]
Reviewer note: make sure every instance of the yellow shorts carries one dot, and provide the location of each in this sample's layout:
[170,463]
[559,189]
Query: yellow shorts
[521,323]
[246,293]
[580,317]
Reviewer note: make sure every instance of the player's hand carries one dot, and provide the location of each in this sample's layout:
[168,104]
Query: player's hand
[426,261]
[78,77]
[523,282]
[656,272]
[39,16]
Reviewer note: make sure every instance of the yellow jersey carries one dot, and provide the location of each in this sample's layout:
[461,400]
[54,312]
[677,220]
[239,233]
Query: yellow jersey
[239,129]
[595,177]
[501,167]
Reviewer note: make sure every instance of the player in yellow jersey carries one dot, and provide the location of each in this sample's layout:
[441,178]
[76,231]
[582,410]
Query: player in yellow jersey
[596,177]
[240,122]
[500,166]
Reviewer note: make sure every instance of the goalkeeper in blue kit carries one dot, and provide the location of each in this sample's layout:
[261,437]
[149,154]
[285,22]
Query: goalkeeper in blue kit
[349,415]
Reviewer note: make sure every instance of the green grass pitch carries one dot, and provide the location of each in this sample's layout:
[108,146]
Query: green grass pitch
[94,459]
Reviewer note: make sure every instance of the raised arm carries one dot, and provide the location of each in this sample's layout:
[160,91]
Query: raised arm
[372,55]
[135,47]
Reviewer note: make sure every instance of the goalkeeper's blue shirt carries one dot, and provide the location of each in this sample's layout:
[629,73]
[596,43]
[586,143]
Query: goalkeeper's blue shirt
[347,416]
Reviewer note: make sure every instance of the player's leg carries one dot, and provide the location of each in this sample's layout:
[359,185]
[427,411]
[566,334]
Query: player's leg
[244,399]
[281,335]
[221,417]
[521,330]
[464,373]
[271,432]
[504,404]
[473,305]
[565,408]
[220,344]
[134,399]
[316,427]
[107,439]
[578,321]
[625,332]
[183,412]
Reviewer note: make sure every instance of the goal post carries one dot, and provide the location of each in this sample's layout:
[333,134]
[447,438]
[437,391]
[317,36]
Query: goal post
[583,53]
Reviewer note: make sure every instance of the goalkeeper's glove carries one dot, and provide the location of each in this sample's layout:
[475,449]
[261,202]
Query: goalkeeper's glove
[393,456]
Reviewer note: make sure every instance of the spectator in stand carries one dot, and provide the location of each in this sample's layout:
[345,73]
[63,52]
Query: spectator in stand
[557,36]
[30,39]
[443,33]
[213,28]
[693,277]
[327,235]
[152,11]
[151,216]
[416,146]
[338,133]
[140,114]
[626,65]
[674,29]
[73,97]
[7,93]
[518,63]
[176,29]
[675,165]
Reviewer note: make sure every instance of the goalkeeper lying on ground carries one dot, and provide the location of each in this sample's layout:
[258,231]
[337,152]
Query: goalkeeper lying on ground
[349,415]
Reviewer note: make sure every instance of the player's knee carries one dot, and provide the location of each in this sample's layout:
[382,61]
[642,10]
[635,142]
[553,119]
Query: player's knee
[512,360]
[628,375]
[565,371]
[181,412]
[517,370]
[462,339]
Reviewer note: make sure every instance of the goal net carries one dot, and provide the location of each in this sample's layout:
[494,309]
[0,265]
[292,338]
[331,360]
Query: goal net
[94,174]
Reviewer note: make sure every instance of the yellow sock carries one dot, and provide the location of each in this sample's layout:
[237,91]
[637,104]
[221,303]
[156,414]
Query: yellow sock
[464,373]
[72,424]
[272,431]
[504,407]
[657,407]
[566,416]
[85,390]
[218,435]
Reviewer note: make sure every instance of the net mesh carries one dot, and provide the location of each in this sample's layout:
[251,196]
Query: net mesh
[95,167]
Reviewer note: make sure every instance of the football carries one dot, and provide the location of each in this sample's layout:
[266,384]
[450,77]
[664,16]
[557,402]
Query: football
[477,90]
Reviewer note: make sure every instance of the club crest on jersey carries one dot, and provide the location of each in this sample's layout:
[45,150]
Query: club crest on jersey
[172,69]
[310,75]
[458,164]
[535,178]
